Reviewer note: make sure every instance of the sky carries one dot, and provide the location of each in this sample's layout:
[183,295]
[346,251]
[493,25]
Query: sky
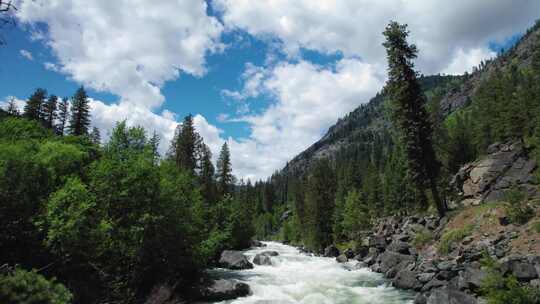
[267,76]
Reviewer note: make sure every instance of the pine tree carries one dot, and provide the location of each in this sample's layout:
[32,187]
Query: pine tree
[206,175]
[95,136]
[410,114]
[33,107]
[80,113]
[224,171]
[63,114]
[319,205]
[12,107]
[186,145]
[154,145]
[49,111]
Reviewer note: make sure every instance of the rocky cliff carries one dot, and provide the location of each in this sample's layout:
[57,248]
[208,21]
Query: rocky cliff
[487,179]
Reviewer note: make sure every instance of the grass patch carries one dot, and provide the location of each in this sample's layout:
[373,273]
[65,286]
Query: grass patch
[453,236]
[421,238]
[536,227]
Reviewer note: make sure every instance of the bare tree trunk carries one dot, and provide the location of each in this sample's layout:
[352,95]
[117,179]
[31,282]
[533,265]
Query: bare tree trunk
[441,204]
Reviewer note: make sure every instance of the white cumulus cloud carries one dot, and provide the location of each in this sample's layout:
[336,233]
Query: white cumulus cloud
[126,47]
[440,28]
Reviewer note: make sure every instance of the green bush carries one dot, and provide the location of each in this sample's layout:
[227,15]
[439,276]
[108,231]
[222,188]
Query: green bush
[422,237]
[517,209]
[29,287]
[453,236]
[536,227]
[498,289]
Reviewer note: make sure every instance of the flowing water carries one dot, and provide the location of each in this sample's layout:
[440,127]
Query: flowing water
[295,277]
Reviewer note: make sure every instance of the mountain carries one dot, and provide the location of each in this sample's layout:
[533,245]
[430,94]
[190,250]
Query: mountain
[368,122]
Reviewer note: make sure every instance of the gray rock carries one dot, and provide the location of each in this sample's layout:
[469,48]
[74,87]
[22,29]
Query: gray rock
[331,251]
[361,252]
[349,253]
[372,256]
[377,241]
[262,259]
[519,267]
[450,296]
[270,253]
[342,258]
[446,265]
[399,247]
[406,279]
[434,283]
[222,290]
[420,299]
[360,265]
[234,260]
[256,243]
[425,277]
[389,259]
[471,278]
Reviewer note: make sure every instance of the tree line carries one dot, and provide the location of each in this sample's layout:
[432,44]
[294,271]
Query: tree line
[109,220]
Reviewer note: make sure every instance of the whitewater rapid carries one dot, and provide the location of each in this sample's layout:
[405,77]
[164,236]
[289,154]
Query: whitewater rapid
[295,277]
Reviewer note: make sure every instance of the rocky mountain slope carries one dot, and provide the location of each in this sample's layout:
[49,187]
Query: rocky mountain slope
[368,120]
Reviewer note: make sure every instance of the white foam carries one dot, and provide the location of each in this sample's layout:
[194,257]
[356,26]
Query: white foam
[299,278]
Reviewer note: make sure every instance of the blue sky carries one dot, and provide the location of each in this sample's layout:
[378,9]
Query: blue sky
[269,77]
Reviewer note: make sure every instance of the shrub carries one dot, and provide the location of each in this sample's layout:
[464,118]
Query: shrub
[498,289]
[517,209]
[536,227]
[422,237]
[29,287]
[453,236]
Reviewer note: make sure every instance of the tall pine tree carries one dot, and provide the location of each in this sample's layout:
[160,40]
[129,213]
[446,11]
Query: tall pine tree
[34,105]
[410,115]
[206,175]
[63,115]
[49,111]
[225,178]
[186,145]
[80,113]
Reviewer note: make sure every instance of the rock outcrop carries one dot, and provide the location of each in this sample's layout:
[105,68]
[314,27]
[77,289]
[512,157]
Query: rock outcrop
[234,260]
[453,277]
[486,180]
[262,259]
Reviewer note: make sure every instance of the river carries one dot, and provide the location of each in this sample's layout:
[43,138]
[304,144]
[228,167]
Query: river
[295,277]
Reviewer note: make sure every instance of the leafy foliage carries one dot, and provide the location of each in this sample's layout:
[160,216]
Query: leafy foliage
[29,287]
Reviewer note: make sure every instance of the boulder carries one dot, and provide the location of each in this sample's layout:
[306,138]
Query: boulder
[349,253]
[519,267]
[331,251]
[471,278]
[377,241]
[234,260]
[420,299]
[262,259]
[222,290]
[270,253]
[399,247]
[390,259]
[425,277]
[342,258]
[434,283]
[256,243]
[406,279]
[450,296]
